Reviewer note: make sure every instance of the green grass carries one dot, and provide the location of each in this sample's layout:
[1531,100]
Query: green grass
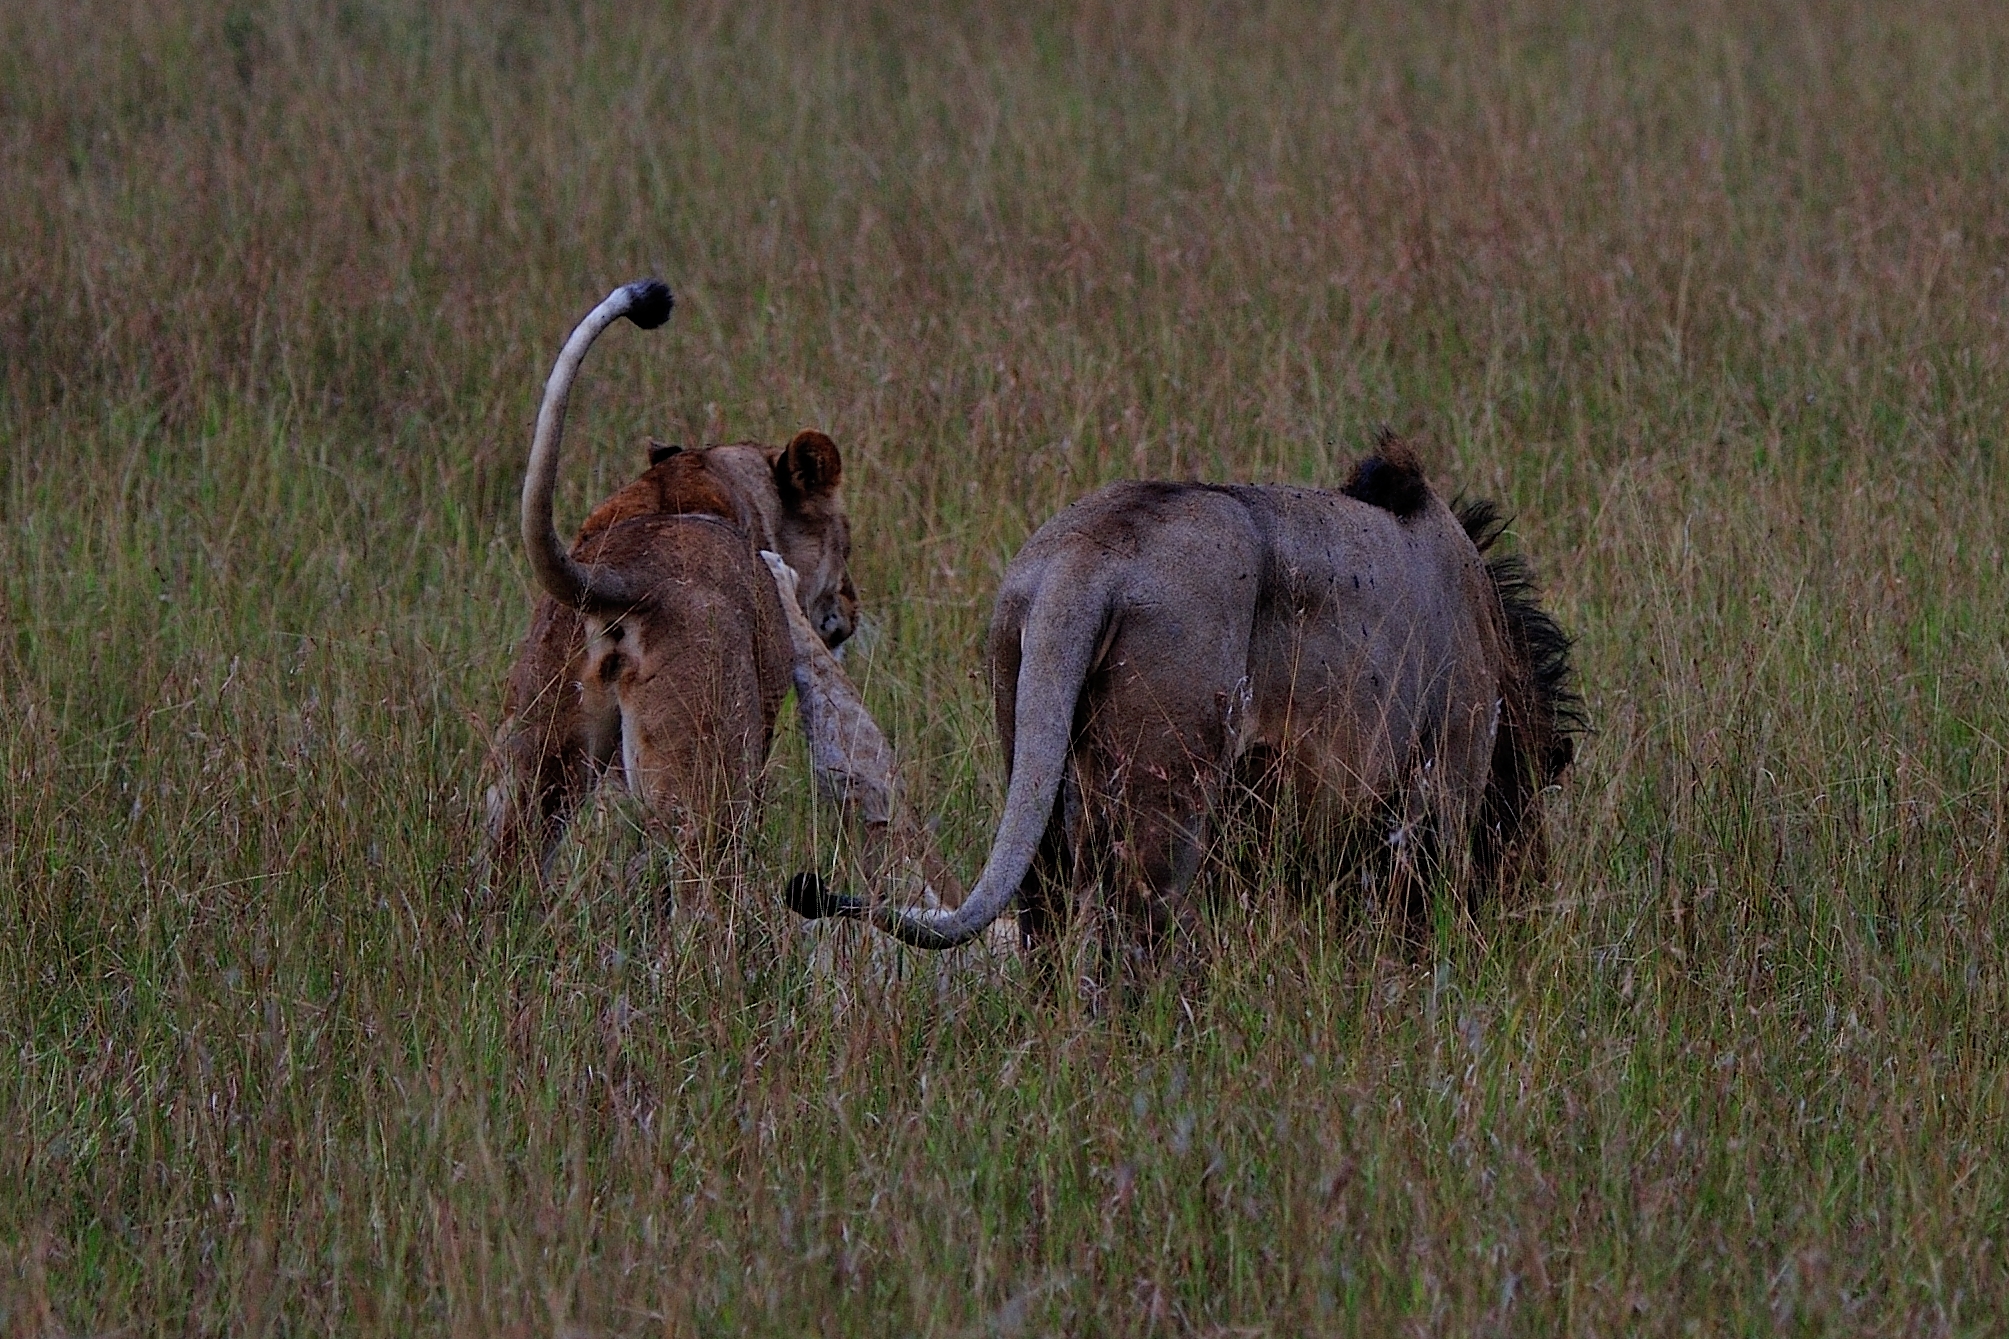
[1712,297]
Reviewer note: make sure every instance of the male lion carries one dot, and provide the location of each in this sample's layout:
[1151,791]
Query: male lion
[1155,641]
[659,646]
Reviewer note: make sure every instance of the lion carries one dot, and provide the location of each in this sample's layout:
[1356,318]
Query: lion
[1157,642]
[659,649]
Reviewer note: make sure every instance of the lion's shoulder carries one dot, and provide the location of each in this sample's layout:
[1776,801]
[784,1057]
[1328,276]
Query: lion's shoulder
[678,484]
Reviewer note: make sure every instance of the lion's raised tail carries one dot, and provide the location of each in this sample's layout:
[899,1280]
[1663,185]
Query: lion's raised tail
[1057,647]
[646,302]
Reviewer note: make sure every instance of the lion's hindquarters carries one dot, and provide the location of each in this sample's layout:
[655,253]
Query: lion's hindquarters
[699,668]
[1350,646]
[1147,716]
[558,733]
[1160,729]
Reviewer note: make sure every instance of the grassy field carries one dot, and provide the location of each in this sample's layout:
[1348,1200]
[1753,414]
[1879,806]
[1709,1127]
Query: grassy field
[1714,300]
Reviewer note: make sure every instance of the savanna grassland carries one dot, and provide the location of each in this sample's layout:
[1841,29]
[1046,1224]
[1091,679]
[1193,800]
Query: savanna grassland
[1712,297]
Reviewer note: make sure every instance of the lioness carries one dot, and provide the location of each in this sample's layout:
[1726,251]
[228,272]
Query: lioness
[659,646]
[1156,639]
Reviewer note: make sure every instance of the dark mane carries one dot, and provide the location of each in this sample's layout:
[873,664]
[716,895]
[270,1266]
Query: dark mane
[1541,712]
[1391,478]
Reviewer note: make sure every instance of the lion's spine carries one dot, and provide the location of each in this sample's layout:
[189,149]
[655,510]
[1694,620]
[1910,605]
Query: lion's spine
[648,303]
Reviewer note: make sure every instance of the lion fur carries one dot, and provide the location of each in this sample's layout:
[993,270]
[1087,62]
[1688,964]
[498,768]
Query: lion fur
[1152,639]
[658,650]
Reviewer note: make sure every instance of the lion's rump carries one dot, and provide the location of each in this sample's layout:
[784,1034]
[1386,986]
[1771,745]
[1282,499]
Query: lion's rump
[1356,652]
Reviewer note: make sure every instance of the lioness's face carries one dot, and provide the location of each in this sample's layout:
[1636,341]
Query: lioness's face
[819,549]
[814,537]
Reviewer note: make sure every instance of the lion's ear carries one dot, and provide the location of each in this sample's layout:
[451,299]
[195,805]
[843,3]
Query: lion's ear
[808,466]
[662,451]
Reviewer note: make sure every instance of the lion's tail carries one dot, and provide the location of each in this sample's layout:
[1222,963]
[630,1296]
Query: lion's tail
[1058,643]
[646,302]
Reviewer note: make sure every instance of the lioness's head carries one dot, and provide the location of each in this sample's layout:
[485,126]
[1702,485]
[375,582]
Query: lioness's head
[813,536]
[787,496]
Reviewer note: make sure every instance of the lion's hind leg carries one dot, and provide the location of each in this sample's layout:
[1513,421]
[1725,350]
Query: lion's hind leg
[1158,723]
[1148,808]
[558,736]
[543,777]
[693,743]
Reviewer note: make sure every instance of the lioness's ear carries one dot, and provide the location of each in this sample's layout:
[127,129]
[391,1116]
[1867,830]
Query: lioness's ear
[808,466]
[662,451]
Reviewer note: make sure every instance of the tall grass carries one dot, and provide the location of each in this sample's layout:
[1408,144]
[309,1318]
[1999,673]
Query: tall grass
[1713,297]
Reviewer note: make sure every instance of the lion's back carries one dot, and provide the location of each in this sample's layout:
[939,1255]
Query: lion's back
[715,614]
[1343,625]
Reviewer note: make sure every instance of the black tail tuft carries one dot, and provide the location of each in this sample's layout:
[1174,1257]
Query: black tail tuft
[1391,479]
[812,899]
[649,303]
[1542,712]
